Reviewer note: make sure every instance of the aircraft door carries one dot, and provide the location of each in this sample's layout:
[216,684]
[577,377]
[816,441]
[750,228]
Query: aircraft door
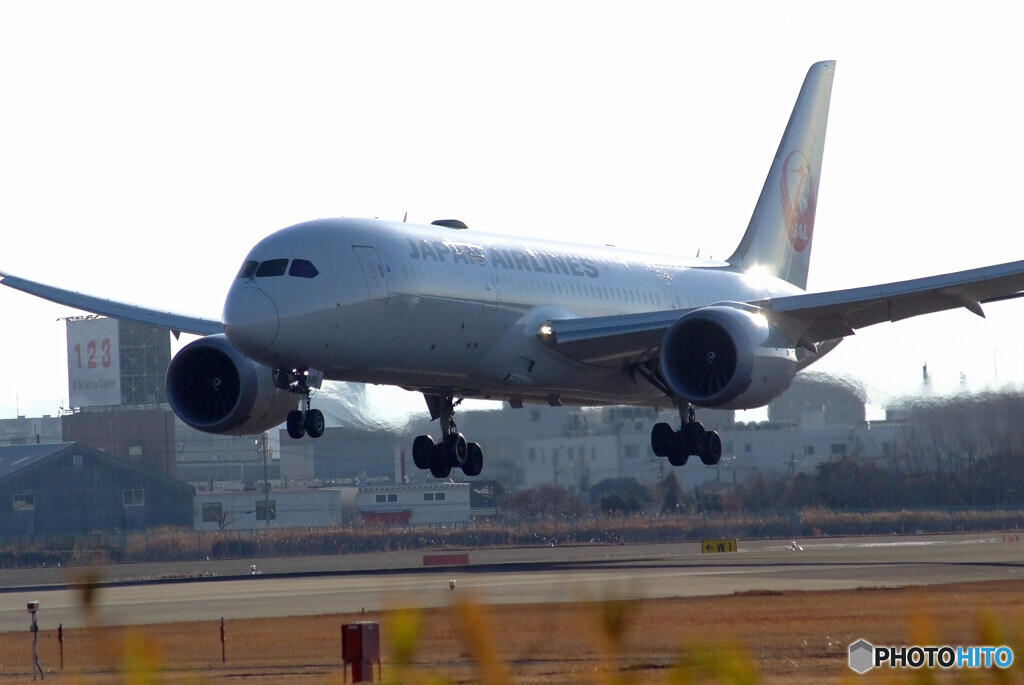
[488,284]
[666,288]
[373,270]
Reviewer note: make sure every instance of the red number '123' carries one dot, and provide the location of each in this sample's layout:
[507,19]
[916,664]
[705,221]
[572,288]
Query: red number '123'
[90,352]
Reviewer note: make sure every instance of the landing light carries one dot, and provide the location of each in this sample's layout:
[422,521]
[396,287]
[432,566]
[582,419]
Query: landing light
[545,331]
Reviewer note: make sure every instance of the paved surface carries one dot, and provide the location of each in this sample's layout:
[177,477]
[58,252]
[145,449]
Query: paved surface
[322,585]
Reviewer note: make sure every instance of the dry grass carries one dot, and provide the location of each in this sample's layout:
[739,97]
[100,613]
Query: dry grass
[178,544]
[766,637]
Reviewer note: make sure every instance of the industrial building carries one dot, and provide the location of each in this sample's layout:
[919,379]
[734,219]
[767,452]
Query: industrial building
[30,431]
[438,504]
[432,504]
[64,488]
[253,509]
[820,422]
[205,458]
[143,436]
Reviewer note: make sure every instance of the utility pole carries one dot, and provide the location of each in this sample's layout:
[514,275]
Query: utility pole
[262,443]
[33,607]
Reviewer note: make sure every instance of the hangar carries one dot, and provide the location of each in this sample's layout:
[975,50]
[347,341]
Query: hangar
[69,487]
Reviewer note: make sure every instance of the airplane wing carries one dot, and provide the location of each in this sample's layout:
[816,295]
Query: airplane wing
[807,318]
[178,323]
[618,340]
[839,313]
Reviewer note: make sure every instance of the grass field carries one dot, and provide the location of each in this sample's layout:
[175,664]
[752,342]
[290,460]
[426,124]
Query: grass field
[791,637]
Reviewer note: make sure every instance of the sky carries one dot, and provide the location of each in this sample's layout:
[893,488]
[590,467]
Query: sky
[145,147]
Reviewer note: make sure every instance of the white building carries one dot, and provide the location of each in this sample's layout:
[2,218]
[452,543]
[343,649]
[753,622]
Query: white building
[250,509]
[417,505]
[788,450]
[578,462]
[574,461]
[432,504]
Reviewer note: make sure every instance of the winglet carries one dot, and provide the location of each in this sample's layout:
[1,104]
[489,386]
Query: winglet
[778,237]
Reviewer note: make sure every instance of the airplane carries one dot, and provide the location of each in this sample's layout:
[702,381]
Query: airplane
[453,313]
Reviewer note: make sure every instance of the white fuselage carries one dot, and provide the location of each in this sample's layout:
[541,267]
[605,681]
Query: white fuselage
[432,308]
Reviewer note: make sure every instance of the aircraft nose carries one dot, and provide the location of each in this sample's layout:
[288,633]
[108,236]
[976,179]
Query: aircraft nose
[250,319]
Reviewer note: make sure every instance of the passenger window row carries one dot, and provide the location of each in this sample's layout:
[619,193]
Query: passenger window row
[301,268]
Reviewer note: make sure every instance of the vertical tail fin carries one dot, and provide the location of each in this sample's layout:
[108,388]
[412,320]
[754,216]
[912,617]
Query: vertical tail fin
[778,237]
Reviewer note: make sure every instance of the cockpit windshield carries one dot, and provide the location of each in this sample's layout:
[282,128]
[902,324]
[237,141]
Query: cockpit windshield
[272,267]
[303,269]
[300,268]
[248,269]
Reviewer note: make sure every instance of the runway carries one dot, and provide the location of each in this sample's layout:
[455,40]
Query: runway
[326,585]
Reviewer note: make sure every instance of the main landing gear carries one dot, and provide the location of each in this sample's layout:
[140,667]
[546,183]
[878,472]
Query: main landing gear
[691,438]
[302,421]
[453,450]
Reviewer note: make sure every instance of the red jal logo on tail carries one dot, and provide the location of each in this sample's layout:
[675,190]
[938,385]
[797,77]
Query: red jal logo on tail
[796,191]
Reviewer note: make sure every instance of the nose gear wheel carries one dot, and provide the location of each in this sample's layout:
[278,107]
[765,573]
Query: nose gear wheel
[303,421]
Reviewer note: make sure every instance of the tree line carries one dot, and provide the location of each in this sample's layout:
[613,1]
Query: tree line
[850,482]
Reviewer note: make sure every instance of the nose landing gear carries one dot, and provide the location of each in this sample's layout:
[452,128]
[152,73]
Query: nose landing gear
[305,422]
[453,451]
[302,421]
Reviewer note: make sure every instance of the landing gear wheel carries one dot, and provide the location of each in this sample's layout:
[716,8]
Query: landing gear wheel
[301,381]
[695,439]
[440,467]
[315,423]
[422,448]
[453,452]
[474,460]
[294,424]
[661,439]
[678,458]
[455,449]
[713,450]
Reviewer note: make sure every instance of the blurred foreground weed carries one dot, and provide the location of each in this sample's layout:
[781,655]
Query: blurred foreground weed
[131,657]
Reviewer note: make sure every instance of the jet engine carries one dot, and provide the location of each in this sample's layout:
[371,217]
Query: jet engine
[214,388]
[727,356]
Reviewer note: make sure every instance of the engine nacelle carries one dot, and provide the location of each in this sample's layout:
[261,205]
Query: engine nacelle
[214,388]
[727,357]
